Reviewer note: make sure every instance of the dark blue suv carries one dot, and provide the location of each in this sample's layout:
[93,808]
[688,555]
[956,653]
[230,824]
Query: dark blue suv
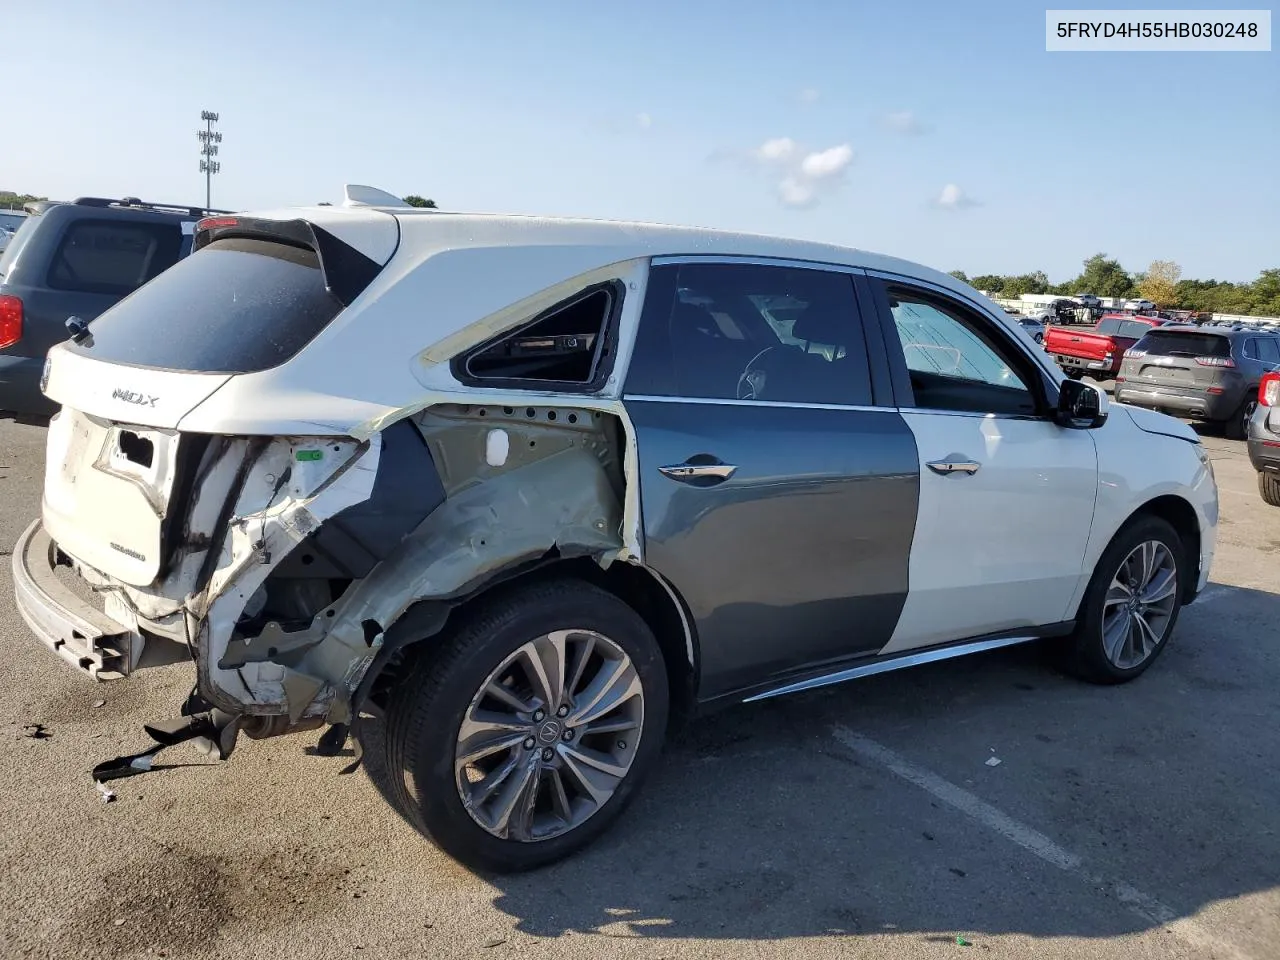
[75,260]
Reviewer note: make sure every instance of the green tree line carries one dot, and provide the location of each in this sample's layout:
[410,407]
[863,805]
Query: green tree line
[14,201]
[1161,283]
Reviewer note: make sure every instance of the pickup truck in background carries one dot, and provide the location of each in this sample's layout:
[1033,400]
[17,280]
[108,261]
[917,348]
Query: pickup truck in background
[1100,351]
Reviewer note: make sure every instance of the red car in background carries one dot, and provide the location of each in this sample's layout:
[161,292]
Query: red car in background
[1098,352]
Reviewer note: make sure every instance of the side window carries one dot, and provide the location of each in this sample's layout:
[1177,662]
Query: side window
[726,331]
[567,345]
[1250,349]
[955,360]
[1132,328]
[1109,325]
[112,257]
[1269,350]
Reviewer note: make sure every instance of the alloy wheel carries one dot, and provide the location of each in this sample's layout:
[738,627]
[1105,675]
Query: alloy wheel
[1140,603]
[549,736]
[1246,415]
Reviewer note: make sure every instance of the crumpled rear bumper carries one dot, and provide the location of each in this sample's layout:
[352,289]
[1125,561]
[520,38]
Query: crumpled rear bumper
[75,630]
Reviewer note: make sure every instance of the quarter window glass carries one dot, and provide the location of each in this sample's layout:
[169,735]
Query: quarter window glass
[750,332]
[1268,350]
[1131,328]
[102,256]
[1251,349]
[955,362]
[565,345]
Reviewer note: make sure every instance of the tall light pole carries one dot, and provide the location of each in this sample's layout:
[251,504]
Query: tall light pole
[208,150]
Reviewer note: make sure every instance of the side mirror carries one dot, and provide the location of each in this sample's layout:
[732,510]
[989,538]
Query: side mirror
[1081,406]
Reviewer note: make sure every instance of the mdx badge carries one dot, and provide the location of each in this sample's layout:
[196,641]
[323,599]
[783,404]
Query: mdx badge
[131,396]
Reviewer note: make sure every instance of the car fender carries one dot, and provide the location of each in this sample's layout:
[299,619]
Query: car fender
[1142,457]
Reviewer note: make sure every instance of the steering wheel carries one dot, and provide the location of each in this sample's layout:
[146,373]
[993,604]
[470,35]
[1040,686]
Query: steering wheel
[751,380]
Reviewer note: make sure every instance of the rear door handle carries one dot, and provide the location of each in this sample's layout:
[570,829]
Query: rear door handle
[954,466]
[702,468]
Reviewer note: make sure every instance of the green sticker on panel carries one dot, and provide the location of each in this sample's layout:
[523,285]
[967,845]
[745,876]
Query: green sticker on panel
[310,455]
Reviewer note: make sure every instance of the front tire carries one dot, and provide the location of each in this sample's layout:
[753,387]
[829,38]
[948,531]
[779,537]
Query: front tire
[525,733]
[1131,604]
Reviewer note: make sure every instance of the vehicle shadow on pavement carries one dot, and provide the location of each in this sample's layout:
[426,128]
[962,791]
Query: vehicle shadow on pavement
[761,823]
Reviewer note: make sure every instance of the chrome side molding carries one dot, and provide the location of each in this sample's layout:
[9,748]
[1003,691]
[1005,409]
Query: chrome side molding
[910,659]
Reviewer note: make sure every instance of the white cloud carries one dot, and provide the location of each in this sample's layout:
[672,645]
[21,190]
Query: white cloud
[827,163]
[809,95]
[644,121]
[953,198]
[906,123]
[777,150]
[795,193]
[804,176]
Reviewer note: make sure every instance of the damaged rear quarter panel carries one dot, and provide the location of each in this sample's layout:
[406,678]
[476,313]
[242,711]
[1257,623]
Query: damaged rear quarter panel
[558,488]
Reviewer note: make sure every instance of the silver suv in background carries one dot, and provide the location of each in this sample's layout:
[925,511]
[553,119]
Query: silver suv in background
[1202,373]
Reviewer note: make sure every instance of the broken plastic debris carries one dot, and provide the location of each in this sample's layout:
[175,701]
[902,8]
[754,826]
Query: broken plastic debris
[98,704]
[35,731]
[962,942]
[993,761]
[108,795]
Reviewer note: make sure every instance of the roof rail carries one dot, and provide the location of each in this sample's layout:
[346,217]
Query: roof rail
[135,203]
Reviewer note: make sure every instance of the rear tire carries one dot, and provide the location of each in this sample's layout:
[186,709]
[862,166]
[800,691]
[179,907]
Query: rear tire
[1131,605]
[1073,374]
[449,736]
[1237,427]
[1269,487]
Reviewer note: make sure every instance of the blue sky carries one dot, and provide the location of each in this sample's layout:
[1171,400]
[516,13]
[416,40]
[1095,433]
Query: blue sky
[836,121]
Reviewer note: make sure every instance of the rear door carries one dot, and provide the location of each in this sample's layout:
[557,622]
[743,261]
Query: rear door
[1006,495]
[777,499]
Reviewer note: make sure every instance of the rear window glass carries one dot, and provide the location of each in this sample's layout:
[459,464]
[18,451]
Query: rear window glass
[1170,343]
[16,243]
[236,306]
[112,257]
[1109,325]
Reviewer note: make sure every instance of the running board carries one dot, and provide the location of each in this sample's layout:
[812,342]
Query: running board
[914,659]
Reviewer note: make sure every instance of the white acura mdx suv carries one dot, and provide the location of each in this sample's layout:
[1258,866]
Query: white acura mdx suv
[530,489]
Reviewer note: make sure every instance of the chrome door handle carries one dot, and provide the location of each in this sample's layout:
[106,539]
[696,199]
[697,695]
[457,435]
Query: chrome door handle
[699,471]
[954,466]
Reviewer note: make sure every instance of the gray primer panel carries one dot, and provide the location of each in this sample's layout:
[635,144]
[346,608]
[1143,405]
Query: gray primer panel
[801,557]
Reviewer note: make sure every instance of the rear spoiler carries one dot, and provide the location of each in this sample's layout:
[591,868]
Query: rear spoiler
[347,271]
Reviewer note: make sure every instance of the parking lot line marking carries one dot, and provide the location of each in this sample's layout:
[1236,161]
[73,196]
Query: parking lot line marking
[1139,903]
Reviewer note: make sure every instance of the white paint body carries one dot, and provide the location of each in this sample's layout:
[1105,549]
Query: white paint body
[1010,546]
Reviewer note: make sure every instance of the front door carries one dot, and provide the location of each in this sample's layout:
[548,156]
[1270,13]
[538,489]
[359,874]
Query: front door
[1006,496]
[777,500]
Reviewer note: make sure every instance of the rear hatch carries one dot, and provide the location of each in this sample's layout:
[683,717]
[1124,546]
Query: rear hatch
[253,294]
[1182,362]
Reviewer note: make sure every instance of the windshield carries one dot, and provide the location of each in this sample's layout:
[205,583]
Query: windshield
[236,306]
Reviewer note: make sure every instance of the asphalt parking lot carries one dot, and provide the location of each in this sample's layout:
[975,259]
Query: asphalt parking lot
[864,820]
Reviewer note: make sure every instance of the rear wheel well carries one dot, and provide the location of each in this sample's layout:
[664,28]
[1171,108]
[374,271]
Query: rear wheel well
[1180,515]
[633,584]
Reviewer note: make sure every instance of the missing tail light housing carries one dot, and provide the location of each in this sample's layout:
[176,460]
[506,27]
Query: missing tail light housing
[10,320]
[1269,390]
